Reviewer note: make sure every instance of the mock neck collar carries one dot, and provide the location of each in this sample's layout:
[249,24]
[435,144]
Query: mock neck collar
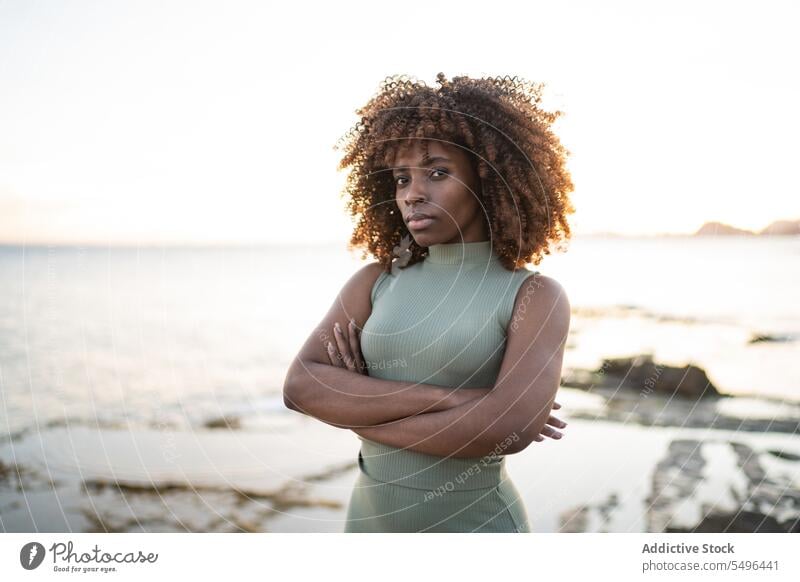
[460,253]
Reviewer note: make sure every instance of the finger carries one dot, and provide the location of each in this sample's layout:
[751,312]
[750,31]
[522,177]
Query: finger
[556,405]
[557,422]
[551,432]
[341,345]
[329,352]
[538,438]
[344,347]
[359,353]
[355,349]
[336,360]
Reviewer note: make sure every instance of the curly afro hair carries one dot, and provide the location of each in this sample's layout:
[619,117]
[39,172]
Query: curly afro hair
[521,163]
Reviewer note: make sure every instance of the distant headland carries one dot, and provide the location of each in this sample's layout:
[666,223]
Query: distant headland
[777,228]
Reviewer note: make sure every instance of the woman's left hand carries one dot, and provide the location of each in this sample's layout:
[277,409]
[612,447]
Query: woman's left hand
[549,431]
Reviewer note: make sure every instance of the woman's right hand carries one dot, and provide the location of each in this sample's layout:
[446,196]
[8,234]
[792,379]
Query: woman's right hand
[347,352]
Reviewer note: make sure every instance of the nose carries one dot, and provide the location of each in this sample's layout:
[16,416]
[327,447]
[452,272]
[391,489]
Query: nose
[414,195]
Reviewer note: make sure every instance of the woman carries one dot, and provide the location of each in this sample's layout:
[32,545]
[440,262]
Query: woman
[445,354]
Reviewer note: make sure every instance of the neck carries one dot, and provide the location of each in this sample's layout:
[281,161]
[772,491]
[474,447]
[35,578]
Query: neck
[460,253]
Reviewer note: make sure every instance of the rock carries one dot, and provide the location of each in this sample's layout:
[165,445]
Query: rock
[642,374]
[784,455]
[740,522]
[717,485]
[229,422]
[765,337]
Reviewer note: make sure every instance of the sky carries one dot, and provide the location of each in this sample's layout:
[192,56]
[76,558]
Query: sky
[214,122]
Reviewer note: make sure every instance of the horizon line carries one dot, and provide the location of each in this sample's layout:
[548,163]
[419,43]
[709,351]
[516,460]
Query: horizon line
[343,242]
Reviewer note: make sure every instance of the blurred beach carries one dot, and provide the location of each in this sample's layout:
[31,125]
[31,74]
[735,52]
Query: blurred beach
[140,389]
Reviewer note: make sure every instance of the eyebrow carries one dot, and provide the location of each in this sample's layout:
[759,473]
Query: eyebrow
[425,162]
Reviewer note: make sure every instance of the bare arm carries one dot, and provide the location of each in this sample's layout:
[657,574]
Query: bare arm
[344,397]
[347,399]
[519,404]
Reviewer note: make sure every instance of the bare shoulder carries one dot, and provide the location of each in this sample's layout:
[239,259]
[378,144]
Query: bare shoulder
[540,301]
[355,296]
[362,281]
[352,302]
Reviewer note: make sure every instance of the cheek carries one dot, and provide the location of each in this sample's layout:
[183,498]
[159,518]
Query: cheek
[459,202]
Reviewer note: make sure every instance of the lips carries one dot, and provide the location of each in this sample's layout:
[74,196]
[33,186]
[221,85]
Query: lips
[419,220]
[417,216]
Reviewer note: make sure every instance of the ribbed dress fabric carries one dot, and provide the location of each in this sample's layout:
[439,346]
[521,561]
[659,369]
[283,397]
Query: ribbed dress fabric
[442,321]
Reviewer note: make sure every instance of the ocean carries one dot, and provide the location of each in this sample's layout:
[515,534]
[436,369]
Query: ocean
[140,390]
[177,337]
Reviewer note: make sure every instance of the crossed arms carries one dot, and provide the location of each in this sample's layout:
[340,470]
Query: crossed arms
[328,380]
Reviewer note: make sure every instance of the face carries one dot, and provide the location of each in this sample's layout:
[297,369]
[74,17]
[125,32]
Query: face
[442,190]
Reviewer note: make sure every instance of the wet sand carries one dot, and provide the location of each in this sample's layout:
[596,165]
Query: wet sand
[616,470]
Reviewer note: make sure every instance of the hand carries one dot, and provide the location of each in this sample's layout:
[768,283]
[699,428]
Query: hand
[551,432]
[347,352]
[466,395]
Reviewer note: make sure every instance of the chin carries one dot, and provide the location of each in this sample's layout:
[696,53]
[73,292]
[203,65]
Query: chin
[426,239]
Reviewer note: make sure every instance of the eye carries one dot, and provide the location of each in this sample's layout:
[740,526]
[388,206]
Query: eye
[399,178]
[440,170]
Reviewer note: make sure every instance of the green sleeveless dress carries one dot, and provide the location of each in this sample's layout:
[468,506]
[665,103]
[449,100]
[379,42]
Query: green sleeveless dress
[442,321]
